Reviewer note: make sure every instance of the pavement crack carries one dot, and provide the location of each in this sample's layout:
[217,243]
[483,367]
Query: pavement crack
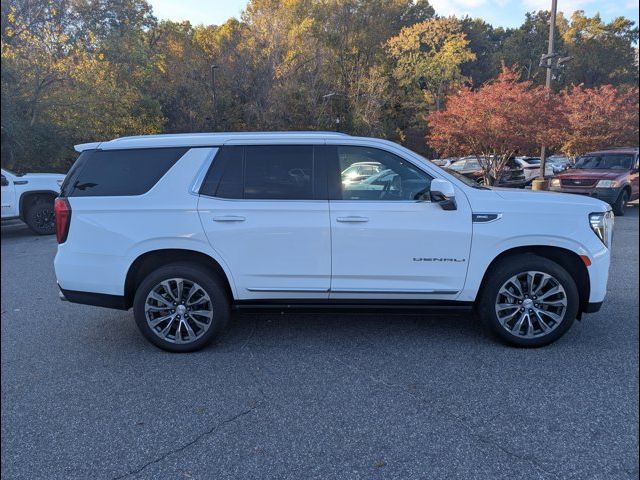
[213,430]
[479,437]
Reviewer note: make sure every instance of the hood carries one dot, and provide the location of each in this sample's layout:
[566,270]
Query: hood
[595,174]
[533,198]
[56,176]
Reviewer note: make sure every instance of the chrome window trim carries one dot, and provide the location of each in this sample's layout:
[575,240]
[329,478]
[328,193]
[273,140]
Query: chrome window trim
[196,184]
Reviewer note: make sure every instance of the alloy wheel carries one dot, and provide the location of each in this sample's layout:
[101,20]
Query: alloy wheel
[178,310]
[531,304]
[44,219]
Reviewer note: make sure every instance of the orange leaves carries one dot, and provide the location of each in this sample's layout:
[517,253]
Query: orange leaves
[503,116]
[508,115]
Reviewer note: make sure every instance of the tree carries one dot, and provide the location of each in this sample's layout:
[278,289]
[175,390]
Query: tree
[502,118]
[428,57]
[523,46]
[598,118]
[602,53]
[485,42]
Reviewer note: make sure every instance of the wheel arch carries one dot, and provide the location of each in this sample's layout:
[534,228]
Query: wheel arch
[26,198]
[153,259]
[567,259]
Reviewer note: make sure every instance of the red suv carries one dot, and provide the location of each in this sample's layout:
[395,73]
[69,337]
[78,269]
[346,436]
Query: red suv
[610,175]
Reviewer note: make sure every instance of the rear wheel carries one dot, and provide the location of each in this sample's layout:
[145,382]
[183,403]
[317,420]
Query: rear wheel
[40,218]
[529,301]
[621,203]
[181,307]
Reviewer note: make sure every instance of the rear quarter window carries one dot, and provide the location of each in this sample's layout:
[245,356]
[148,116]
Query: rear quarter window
[113,173]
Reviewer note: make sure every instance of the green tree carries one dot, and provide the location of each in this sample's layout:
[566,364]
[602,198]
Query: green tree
[602,53]
[523,47]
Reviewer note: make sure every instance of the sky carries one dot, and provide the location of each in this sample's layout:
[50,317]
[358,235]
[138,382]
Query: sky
[505,13]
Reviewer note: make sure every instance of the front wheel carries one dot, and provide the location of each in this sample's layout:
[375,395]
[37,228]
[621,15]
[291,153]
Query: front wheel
[621,203]
[181,307]
[529,301]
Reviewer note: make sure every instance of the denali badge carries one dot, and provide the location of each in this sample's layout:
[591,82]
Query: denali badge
[433,259]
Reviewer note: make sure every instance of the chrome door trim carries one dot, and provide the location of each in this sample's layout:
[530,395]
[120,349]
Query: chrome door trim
[395,292]
[287,289]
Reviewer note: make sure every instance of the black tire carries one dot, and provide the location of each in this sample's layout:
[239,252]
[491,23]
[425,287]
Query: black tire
[621,203]
[208,281]
[502,273]
[40,218]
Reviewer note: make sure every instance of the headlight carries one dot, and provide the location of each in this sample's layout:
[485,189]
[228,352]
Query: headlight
[555,182]
[607,184]
[602,225]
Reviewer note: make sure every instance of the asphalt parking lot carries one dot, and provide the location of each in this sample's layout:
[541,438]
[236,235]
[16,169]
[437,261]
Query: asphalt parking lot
[312,396]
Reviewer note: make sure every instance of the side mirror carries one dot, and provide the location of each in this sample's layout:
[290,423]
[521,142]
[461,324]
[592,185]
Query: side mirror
[443,193]
[5,182]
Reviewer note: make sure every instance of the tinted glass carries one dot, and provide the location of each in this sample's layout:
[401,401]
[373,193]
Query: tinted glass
[278,172]
[224,178]
[613,161]
[391,178]
[119,172]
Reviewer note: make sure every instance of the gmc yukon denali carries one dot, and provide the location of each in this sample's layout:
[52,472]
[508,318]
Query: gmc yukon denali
[185,228]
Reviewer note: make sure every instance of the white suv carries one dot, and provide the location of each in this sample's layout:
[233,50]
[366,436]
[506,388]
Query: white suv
[183,228]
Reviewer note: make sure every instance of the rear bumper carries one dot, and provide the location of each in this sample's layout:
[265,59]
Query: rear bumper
[96,299]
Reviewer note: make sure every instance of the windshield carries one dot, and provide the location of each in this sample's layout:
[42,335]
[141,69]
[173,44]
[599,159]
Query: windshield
[459,165]
[466,180]
[609,161]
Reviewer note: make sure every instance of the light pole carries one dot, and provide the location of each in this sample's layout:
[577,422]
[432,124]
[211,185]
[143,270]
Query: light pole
[214,97]
[547,61]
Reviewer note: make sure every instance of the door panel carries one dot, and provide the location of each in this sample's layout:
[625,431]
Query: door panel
[388,239]
[265,211]
[409,248]
[275,249]
[9,206]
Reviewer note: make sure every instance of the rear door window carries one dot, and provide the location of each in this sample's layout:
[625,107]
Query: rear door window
[113,173]
[278,172]
[267,172]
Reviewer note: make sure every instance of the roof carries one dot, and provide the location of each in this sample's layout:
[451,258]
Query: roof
[631,150]
[201,139]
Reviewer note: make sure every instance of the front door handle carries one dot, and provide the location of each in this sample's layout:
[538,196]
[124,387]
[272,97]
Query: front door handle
[229,218]
[352,219]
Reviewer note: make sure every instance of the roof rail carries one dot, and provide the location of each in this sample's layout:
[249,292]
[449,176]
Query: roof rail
[235,134]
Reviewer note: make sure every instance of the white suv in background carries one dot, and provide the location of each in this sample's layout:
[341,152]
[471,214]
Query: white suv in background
[30,197]
[183,228]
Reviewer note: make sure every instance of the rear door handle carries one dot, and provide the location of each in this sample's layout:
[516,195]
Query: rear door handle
[229,218]
[352,219]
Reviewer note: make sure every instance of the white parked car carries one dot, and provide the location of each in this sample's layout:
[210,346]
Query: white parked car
[183,228]
[531,168]
[30,197]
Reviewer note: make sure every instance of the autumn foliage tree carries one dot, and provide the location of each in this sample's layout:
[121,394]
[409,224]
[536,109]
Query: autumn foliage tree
[502,118]
[598,118]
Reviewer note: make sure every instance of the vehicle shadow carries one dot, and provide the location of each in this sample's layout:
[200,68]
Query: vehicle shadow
[15,229]
[349,329]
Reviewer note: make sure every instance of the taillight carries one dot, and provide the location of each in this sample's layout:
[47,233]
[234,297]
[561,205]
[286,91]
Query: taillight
[62,211]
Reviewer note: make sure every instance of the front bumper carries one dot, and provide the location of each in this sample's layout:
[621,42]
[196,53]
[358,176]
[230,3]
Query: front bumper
[609,195]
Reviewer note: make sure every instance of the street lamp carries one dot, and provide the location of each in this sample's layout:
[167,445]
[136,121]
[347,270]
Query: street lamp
[214,97]
[546,61]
